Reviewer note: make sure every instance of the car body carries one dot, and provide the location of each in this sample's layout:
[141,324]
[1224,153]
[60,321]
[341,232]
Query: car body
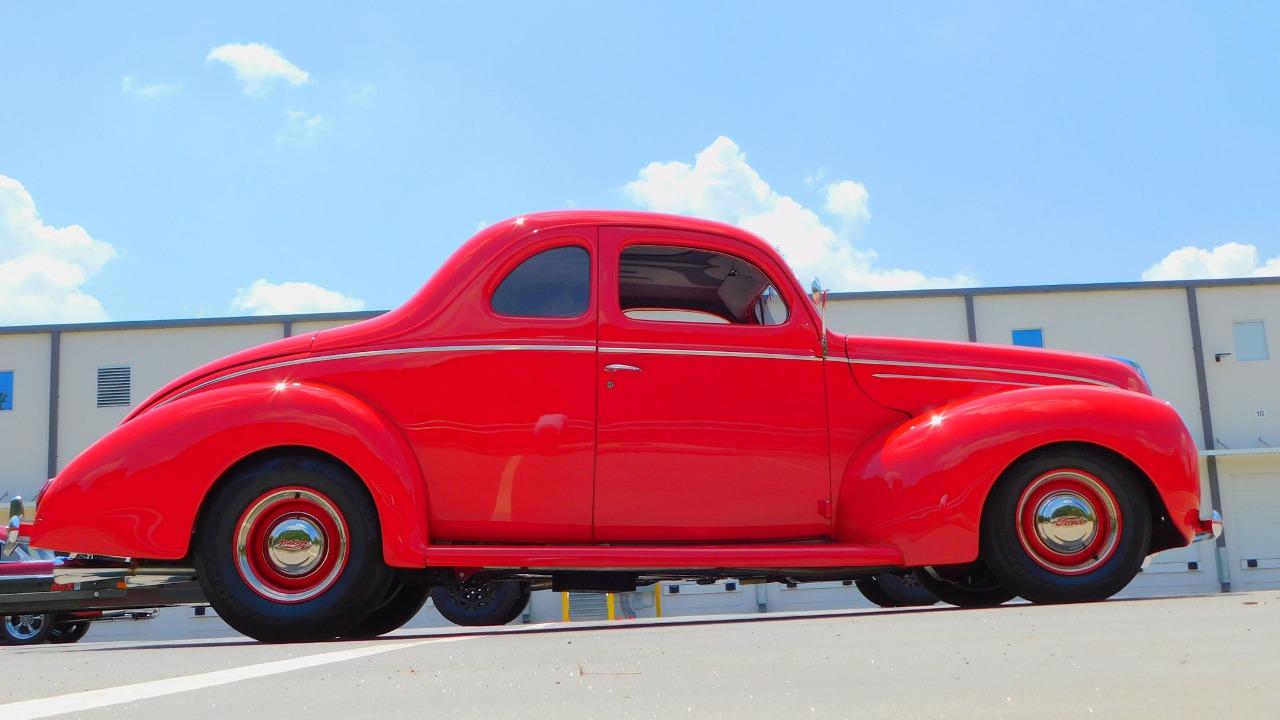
[671,404]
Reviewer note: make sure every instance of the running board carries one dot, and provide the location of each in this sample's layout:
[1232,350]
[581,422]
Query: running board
[663,557]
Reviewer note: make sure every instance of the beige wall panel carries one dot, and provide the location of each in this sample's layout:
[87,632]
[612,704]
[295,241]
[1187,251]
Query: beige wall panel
[156,356]
[936,318]
[306,328]
[1149,326]
[1245,395]
[24,430]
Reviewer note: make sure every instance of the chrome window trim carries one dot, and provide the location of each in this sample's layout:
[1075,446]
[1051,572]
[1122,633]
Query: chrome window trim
[897,376]
[708,353]
[946,366]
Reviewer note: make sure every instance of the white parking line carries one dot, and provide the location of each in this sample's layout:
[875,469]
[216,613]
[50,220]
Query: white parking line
[93,699]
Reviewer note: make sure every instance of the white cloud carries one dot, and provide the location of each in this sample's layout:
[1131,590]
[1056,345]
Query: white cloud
[258,66]
[42,267]
[268,298]
[1228,260]
[131,86]
[721,185]
[301,127]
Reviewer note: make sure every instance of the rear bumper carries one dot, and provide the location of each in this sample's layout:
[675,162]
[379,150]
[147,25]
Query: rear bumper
[1209,529]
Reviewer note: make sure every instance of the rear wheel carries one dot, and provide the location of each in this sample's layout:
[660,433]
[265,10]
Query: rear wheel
[1066,526]
[26,628]
[890,591]
[290,549]
[404,600]
[69,632]
[970,586]
[486,603]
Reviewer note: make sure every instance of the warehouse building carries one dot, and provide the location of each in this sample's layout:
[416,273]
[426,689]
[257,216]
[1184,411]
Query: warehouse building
[1207,346]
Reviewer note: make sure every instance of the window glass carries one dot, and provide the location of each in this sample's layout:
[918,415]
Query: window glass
[1251,340]
[6,389]
[553,283]
[1029,337]
[675,284]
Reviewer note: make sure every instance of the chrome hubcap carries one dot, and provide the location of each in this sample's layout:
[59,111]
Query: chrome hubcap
[1066,522]
[24,627]
[295,545]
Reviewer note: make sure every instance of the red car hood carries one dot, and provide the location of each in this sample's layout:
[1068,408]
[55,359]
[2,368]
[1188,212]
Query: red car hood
[915,375]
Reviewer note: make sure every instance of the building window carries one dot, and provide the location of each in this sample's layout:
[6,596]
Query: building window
[1251,340]
[6,389]
[115,385]
[1029,337]
[554,283]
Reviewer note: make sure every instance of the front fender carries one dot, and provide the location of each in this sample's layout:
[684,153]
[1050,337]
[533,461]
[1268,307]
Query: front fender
[921,485]
[138,490]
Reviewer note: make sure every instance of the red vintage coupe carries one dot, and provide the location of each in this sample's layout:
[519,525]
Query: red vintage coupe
[600,400]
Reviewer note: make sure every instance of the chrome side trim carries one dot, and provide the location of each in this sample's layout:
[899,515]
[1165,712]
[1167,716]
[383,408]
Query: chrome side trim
[708,353]
[895,376]
[947,366]
[376,353]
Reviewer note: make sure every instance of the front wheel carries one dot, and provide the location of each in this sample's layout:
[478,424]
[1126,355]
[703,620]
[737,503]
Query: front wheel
[26,628]
[1066,526]
[290,549]
[486,603]
[892,591]
[970,587]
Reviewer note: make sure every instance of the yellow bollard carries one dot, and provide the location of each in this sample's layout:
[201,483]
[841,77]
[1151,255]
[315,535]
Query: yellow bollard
[564,606]
[657,598]
[613,614]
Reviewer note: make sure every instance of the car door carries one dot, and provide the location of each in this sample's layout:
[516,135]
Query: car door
[712,416]
[501,411]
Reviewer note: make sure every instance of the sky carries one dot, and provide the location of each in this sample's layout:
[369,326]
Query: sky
[162,160]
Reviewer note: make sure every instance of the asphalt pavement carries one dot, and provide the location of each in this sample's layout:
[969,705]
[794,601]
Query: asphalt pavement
[1206,656]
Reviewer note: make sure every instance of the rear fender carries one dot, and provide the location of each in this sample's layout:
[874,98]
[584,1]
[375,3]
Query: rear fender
[137,492]
[921,485]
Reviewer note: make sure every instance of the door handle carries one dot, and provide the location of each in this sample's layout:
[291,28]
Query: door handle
[620,367]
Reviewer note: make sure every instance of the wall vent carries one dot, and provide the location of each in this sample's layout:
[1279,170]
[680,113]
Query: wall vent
[115,386]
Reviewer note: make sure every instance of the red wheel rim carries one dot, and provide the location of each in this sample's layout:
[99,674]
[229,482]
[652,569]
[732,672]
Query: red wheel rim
[291,544]
[1068,521]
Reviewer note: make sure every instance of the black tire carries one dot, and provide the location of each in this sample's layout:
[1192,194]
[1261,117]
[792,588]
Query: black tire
[404,600]
[69,632]
[345,584]
[1122,525]
[891,591]
[491,603]
[975,587]
[26,628]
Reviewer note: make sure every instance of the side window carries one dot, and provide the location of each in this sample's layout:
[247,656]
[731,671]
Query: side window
[555,283]
[675,284]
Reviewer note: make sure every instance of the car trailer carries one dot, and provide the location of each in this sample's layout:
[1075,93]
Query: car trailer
[55,598]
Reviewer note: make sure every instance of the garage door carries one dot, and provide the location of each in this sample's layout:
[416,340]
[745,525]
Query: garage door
[1252,504]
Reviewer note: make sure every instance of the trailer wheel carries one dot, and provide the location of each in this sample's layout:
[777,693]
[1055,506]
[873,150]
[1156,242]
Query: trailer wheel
[26,628]
[496,602]
[68,632]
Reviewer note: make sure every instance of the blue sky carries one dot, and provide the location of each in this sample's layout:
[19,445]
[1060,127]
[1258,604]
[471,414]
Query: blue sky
[889,146]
